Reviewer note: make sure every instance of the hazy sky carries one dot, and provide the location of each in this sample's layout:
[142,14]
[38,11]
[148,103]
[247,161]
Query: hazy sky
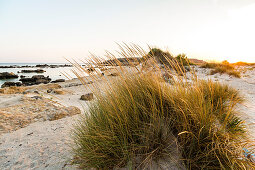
[48,30]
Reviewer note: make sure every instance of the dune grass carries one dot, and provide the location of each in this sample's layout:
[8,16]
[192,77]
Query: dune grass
[139,119]
[222,68]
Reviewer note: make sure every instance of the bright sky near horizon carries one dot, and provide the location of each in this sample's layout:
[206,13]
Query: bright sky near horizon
[48,30]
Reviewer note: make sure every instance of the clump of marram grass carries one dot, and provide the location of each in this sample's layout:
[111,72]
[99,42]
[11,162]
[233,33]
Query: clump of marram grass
[139,119]
[224,67]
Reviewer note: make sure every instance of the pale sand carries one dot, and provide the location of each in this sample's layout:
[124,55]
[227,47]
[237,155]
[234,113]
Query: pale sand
[44,145]
[40,145]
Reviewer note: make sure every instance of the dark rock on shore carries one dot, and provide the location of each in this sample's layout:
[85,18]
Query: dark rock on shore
[7,75]
[91,69]
[49,90]
[37,79]
[9,84]
[58,80]
[87,97]
[32,71]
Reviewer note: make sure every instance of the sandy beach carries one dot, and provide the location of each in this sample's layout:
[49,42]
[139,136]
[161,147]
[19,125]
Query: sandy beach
[36,122]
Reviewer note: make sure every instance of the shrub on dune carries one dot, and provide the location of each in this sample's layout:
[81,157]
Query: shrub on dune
[224,67]
[141,119]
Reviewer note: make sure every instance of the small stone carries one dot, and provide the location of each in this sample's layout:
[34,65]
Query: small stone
[49,90]
[59,91]
[36,92]
[36,97]
[114,74]
[87,97]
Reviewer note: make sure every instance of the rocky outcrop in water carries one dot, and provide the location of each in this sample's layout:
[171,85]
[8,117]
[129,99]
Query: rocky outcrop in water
[53,65]
[7,75]
[37,79]
[32,71]
[38,65]
[58,80]
[9,84]
[16,66]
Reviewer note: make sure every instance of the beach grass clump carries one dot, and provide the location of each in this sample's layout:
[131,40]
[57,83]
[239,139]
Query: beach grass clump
[222,68]
[139,119]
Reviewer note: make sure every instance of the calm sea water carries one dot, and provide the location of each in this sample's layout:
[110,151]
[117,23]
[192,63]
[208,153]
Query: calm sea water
[53,73]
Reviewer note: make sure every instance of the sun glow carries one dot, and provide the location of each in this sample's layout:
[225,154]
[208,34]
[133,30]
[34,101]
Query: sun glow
[228,38]
[236,35]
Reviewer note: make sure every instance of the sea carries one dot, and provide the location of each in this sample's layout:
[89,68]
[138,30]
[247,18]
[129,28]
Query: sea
[53,73]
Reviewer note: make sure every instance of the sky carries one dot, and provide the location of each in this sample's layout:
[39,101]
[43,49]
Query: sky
[49,30]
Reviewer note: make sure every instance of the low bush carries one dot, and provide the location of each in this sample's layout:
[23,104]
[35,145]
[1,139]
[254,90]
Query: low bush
[222,68]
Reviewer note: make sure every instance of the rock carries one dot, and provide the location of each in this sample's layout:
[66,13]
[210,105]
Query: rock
[7,75]
[2,90]
[59,114]
[58,80]
[37,92]
[114,74]
[49,90]
[87,97]
[36,97]
[187,68]
[37,79]
[42,65]
[58,91]
[30,110]
[73,84]
[33,71]
[103,69]
[91,69]
[8,66]
[53,66]
[167,76]
[13,90]
[9,84]
[22,76]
